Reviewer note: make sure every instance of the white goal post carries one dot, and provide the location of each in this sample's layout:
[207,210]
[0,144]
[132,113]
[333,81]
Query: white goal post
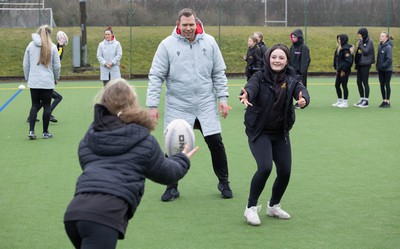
[27,14]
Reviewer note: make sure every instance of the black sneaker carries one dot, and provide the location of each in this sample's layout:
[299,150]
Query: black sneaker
[32,135]
[53,119]
[386,105]
[226,191]
[382,104]
[170,194]
[364,104]
[47,135]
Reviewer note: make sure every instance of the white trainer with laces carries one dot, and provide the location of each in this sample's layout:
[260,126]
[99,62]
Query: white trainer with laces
[251,215]
[276,211]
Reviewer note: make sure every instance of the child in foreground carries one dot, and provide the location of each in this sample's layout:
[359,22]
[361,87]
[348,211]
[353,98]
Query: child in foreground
[117,154]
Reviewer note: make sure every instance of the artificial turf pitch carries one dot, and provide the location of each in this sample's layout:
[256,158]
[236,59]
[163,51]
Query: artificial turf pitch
[344,190]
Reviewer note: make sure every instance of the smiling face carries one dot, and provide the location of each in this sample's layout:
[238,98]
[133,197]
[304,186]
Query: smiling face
[278,60]
[187,25]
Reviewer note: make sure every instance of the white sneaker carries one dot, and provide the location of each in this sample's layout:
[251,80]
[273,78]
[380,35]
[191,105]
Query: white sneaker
[251,215]
[276,211]
[343,104]
[337,102]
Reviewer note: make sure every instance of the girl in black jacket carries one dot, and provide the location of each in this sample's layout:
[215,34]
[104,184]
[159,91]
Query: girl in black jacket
[365,57]
[384,65]
[253,57]
[117,154]
[268,97]
[342,62]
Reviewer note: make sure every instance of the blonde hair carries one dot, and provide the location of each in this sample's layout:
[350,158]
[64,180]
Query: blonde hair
[259,34]
[44,32]
[121,100]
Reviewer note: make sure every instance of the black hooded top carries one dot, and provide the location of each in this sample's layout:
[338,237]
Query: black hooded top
[116,158]
[300,54]
[365,55]
[343,57]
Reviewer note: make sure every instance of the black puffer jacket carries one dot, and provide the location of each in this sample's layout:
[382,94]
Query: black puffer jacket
[384,61]
[261,94]
[116,158]
[343,59]
[365,55]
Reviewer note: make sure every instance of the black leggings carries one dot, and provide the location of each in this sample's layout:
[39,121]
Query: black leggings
[342,81]
[362,81]
[40,97]
[56,100]
[90,235]
[266,149]
[218,155]
[384,79]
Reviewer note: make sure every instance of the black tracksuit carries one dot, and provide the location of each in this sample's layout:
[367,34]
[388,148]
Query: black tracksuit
[253,59]
[268,123]
[300,56]
[342,62]
[365,57]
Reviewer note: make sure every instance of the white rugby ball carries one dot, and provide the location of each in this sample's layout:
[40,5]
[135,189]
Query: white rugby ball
[177,134]
[62,38]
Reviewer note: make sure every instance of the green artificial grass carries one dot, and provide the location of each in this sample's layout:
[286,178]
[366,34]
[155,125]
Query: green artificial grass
[343,193]
[145,40]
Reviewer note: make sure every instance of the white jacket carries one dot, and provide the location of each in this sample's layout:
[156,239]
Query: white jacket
[39,76]
[195,77]
[109,51]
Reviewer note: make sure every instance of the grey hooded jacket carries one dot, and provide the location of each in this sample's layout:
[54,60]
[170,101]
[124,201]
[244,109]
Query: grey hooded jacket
[37,75]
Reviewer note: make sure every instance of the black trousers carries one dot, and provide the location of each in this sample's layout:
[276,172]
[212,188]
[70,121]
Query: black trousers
[90,235]
[384,80]
[40,97]
[362,81]
[266,149]
[56,100]
[342,81]
[218,155]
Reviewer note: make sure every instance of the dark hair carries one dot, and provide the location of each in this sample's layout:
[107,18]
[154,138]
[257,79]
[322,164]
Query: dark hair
[109,28]
[187,13]
[282,47]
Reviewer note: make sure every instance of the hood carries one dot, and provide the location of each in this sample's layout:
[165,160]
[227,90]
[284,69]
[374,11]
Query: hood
[108,135]
[363,32]
[36,39]
[299,34]
[344,39]
[199,30]
[388,42]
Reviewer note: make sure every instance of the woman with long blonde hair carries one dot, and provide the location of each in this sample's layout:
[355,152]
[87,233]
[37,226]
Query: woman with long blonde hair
[42,71]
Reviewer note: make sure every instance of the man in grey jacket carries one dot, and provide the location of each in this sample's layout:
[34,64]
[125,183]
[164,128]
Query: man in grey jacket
[191,64]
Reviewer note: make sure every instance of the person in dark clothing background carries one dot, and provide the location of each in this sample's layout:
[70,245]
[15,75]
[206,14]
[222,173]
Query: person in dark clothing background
[253,57]
[261,43]
[116,155]
[365,57]
[384,65]
[342,62]
[299,54]
[268,97]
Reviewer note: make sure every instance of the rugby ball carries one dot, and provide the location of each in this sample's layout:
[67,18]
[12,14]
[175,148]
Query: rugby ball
[177,134]
[62,38]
